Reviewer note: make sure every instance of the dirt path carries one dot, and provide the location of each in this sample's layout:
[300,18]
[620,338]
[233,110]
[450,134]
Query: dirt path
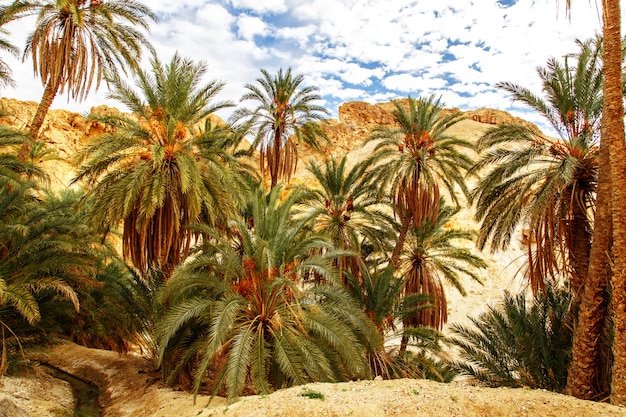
[129,389]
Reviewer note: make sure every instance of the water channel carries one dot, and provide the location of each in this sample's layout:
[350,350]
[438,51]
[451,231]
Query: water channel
[87,404]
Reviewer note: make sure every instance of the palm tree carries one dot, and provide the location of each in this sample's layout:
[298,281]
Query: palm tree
[76,42]
[380,294]
[412,159]
[115,314]
[222,147]
[47,256]
[613,130]
[285,116]
[241,307]
[610,223]
[433,253]
[545,184]
[348,211]
[149,174]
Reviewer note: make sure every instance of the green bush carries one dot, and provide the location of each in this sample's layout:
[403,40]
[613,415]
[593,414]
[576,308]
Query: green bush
[519,343]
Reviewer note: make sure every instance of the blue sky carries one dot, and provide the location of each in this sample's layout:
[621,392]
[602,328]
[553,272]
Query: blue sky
[359,50]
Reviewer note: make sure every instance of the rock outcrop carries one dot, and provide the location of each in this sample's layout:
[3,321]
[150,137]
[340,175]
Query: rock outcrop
[67,131]
[9,409]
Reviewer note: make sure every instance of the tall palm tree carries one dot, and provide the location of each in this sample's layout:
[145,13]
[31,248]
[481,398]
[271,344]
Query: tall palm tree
[545,184]
[609,236]
[433,254]
[241,307]
[285,116]
[149,173]
[613,130]
[414,158]
[348,210]
[76,43]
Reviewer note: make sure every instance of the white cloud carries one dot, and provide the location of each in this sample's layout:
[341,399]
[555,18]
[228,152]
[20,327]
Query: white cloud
[301,35]
[410,84]
[260,6]
[213,17]
[365,50]
[348,72]
[165,6]
[250,26]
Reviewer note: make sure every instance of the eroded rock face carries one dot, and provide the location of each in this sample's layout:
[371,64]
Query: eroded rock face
[68,131]
[356,119]
[362,116]
[358,115]
[9,409]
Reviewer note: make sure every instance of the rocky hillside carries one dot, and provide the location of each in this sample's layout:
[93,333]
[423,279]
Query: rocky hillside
[67,131]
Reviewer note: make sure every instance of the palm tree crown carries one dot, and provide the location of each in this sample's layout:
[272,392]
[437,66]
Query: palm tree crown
[348,210]
[148,173]
[285,108]
[434,254]
[242,308]
[547,184]
[76,42]
[412,159]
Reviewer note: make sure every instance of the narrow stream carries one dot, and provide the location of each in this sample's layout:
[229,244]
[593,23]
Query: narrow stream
[86,394]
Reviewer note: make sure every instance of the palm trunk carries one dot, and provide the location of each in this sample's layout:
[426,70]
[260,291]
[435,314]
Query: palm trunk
[397,250]
[613,124]
[395,258]
[275,162]
[582,372]
[580,248]
[52,87]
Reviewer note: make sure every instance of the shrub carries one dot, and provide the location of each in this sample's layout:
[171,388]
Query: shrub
[519,343]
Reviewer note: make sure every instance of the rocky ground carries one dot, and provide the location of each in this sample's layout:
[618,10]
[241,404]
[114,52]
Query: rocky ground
[128,388]
[35,395]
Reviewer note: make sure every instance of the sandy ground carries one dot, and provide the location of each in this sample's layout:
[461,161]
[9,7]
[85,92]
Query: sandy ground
[129,389]
[37,395]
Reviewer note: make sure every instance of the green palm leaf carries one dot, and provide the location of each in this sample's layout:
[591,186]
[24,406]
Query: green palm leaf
[159,173]
[546,185]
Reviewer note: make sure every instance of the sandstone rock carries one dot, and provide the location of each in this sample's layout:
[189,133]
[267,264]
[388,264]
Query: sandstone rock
[38,395]
[9,409]
[361,116]
[497,117]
